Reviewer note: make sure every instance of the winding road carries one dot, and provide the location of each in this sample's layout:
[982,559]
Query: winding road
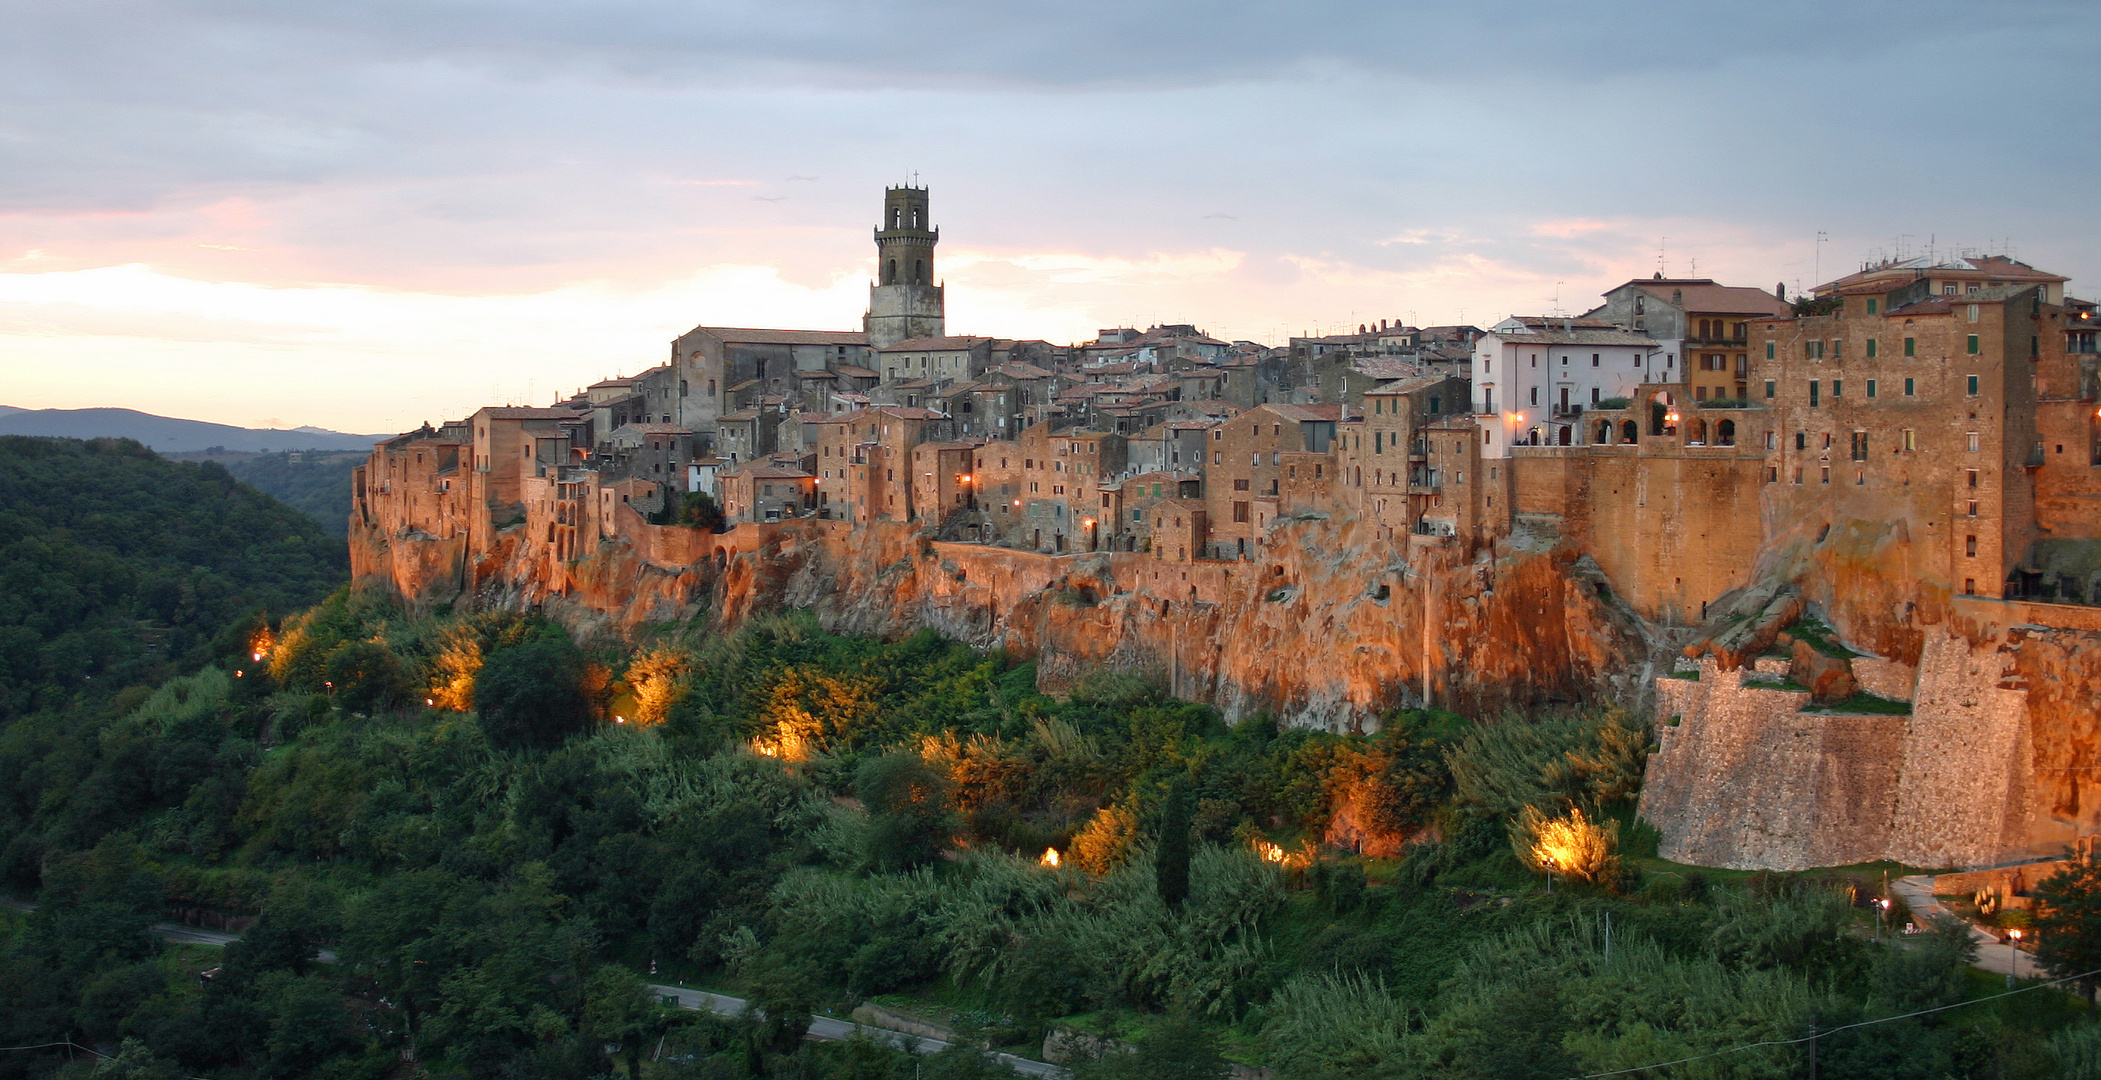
[822,1028]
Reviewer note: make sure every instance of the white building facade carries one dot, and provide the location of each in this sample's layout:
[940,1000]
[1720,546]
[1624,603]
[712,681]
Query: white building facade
[1534,376]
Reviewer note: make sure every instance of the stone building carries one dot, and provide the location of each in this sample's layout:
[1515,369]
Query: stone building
[937,359]
[1702,327]
[1242,478]
[904,303]
[762,491]
[719,369]
[1913,410]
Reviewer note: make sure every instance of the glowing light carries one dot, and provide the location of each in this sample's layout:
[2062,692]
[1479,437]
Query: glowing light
[260,643]
[238,674]
[1573,845]
[1269,852]
[965,478]
[620,719]
[1050,857]
[1089,523]
[430,701]
[1017,502]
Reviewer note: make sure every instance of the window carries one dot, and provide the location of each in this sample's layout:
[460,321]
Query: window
[1240,512]
[1801,440]
[1972,440]
[1911,387]
[1769,350]
[1871,311]
[1911,346]
[1972,508]
[1860,446]
[1973,476]
[1827,474]
[1838,387]
[1969,546]
[1772,440]
[1871,348]
[1974,349]
[1838,348]
[1815,393]
[1972,386]
[1593,359]
[1535,395]
[1769,388]
[1909,440]
[1969,584]
[1594,395]
[1972,313]
[1871,388]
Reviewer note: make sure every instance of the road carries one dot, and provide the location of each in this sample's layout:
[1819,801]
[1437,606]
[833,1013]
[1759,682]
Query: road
[823,1028]
[1992,955]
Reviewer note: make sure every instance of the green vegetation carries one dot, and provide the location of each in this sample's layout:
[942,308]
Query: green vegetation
[503,835]
[313,482]
[119,569]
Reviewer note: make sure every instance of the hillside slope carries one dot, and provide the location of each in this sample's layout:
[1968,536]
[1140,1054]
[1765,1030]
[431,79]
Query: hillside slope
[119,567]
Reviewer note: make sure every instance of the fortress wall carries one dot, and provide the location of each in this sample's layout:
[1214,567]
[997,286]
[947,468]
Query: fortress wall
[1890,679]
[1673,533]
[1745,780]
[1959,802]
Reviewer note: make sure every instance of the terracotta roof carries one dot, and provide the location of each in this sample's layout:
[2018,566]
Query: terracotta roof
[937,344]
[610,382]
[776,472]
[1555,335]
[1409,386]
[1018,370]
[740,335]
[1307,412]
[512,412]
[852,372]
[1990,266]
[1706,296]
[741,414]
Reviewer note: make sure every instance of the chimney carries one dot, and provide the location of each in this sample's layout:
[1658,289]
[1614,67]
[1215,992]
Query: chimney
[1780,292]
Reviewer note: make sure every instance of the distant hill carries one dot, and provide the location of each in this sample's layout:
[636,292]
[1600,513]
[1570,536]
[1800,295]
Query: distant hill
[169,435]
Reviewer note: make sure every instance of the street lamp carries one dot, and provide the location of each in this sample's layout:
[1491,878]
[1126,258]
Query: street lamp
[2013,974]
[1881,909]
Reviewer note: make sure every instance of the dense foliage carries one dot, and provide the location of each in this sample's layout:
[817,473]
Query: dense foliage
[120,568]
[313,482]
[501,836]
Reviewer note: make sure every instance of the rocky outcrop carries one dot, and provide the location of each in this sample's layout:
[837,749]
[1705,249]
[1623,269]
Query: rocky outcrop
[1327,629]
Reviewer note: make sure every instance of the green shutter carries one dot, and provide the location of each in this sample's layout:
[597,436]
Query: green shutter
[1910,386]
[1974,350]
[1871,388]
[1871,348]
[1769,350]
[1769,389]
[1911,346]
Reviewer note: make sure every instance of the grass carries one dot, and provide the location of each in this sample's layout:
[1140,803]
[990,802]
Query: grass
[1864,702]
[1820,637]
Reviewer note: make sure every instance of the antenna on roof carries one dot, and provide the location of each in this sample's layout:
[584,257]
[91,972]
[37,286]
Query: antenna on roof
[1661,241]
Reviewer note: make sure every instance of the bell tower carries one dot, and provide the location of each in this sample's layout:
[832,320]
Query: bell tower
[904,302]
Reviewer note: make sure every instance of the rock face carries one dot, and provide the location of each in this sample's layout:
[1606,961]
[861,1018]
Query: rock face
[1326,630]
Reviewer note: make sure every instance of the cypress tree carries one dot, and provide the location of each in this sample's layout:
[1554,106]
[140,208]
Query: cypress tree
[1171,856]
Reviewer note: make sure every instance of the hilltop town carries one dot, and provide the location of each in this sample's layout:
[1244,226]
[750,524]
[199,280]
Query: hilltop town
[1671,491]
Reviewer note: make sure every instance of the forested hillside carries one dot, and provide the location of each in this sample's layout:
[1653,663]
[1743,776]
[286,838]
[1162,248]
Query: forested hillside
[502,835]
[314,482]
[119,568]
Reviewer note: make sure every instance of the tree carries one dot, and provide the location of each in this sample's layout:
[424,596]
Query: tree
[1171,857]
[910,801]
[2068,921]
[532,694]
[365,676]
[618,1009]
[1179,1047]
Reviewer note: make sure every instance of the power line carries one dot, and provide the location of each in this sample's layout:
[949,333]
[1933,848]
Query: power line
[1836,1030]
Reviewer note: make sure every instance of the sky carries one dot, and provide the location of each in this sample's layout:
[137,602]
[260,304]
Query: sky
[364,215]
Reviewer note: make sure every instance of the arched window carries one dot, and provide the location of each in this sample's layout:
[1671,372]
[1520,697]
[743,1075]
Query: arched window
[1629,433]
[1725,433]
[890,272]
[1696,435]
[919,271]
[896,214]
[1565,436]
[1604,432]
